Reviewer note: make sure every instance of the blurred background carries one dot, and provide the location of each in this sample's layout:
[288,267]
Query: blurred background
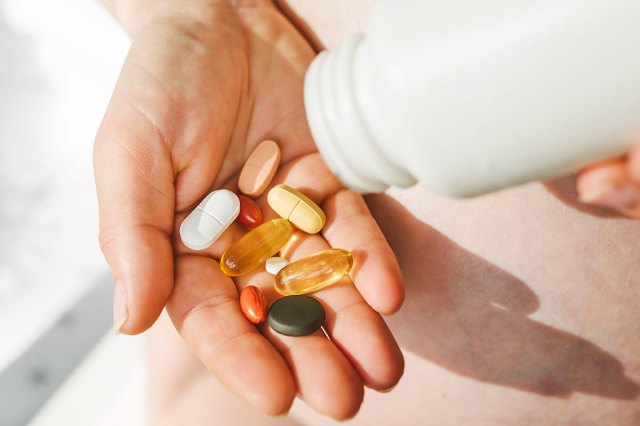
[60,363]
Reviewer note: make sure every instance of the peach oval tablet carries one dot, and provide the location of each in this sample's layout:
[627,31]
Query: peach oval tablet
[297,208]
[259,169]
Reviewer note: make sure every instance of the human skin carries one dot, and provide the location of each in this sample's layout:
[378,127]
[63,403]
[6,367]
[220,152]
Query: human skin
[203,83]
[521,309]
[419,201]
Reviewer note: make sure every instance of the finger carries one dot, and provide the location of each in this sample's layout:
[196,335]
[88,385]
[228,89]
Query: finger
[205,310]
[363,337]
[356,329]
[310,175]
[360,335]
[143,145]
[633,164]
[610,184]
[349,226]
[325,377]
[376,273]
[373,353]
[134,184]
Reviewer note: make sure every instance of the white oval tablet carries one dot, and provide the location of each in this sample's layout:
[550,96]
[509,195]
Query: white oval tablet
[274,264]
[209,220]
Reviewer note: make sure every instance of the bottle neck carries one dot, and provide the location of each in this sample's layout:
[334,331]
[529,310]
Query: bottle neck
[338,126]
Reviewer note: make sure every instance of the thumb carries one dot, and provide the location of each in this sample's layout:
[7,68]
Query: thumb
[134,182]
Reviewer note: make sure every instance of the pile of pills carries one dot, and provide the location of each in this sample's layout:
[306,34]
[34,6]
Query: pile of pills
[295,314]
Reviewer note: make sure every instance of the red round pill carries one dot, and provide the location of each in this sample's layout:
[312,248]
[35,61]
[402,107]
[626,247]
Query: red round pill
[250,214]
[253,304]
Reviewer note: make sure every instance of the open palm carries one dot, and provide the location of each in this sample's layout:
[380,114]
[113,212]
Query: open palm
[200,88]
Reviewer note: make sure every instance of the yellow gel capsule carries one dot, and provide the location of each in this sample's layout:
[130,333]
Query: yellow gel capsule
[314,272]
[297,207]
[255,247]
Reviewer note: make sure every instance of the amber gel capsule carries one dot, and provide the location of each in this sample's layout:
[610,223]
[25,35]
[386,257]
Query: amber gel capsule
[314,272]
[255,247]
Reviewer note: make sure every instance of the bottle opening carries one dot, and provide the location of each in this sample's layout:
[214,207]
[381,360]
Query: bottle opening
[338,128]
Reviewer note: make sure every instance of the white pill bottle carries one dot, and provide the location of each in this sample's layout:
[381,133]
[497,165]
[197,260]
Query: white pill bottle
[470,96]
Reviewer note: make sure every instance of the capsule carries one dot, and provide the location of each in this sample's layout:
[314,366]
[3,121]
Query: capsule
[314,272]
[255,247]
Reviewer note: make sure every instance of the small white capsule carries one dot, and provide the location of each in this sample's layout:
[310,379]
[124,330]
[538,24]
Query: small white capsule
[209,220]
[274,264]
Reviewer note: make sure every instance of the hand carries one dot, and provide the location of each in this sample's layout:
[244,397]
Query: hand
[614,184]
[204,82]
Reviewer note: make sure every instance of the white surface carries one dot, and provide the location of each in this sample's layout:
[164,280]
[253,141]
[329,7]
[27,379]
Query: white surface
[209,220]
[59,61]
[114,372]
[59,64]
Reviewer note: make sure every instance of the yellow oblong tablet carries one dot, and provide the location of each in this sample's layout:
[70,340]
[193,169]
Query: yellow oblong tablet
[297,207]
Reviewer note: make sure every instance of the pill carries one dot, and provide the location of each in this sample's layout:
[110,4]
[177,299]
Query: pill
[261,166]
[255,247]
[274,264]
[296,315]
[314,272]
[297,207]
[250,214]
[209,220]
[253,304]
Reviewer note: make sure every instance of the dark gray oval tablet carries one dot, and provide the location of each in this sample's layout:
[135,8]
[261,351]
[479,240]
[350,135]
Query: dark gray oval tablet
[296,315]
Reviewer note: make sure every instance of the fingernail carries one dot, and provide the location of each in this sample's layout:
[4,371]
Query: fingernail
[623,196]
[120,311]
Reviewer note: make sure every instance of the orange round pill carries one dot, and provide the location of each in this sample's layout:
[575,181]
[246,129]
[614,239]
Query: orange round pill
[250,214]
[253,304]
